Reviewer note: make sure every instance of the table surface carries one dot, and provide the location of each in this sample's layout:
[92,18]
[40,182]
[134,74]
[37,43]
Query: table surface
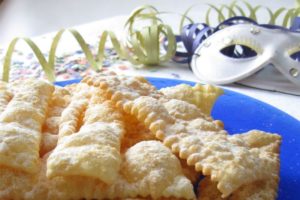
[287,103]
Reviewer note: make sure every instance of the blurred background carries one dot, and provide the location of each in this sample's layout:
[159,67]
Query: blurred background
[30,18]
[36,17]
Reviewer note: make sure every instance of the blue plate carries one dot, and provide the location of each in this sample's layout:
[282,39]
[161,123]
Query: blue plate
[241,113]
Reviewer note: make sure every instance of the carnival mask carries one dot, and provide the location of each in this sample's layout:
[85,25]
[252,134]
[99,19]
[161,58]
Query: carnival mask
[239,51]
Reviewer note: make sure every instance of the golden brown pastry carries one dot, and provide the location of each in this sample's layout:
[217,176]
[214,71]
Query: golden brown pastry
[258,190]
[59,101]
[21,123]
[187,131]
[203,96]
[117,137]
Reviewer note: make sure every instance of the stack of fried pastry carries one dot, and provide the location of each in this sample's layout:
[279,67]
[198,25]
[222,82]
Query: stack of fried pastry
[118,137]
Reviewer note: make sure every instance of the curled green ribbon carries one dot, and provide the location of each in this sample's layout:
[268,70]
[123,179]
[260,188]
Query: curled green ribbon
[144,43]
[142,46]
[244,8]
[7,59]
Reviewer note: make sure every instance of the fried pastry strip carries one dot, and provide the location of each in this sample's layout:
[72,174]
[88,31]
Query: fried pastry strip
[203,96]
[5,96]
[149,171]
[135,132]
[204,145]
[262,189]
[258,190]
[122,89]
[21,124]
[59,101]
[89,140]
[186,131]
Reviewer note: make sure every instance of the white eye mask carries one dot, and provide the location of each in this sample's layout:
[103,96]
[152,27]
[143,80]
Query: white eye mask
[271,53]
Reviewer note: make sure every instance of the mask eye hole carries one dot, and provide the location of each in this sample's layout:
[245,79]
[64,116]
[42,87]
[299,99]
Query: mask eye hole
[296,56]
[238,51]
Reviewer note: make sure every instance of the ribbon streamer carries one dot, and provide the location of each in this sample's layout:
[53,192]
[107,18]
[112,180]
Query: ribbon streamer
[237,8]
[142,47]
[194,34]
